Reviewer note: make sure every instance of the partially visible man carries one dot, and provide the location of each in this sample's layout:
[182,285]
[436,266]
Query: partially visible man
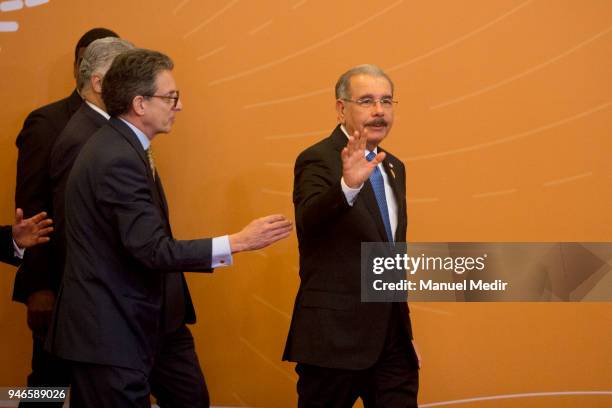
[36,283]
[24,233]
[348,190]
[124,304]
[92,115]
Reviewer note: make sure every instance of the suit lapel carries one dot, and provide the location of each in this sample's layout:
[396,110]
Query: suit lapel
[369,201]
[393,175]
[366,196]
[157,192]
[94,116]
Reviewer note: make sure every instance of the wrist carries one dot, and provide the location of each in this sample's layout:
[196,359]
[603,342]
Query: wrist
[235,243]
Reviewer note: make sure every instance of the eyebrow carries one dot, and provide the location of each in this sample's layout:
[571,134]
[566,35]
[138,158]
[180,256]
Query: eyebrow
[373,97]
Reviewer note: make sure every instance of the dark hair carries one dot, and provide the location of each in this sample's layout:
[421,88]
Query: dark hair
[91,36]
[132,73]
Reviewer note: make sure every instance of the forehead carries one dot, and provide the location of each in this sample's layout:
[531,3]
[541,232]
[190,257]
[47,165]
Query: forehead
[164,81]
[362,85]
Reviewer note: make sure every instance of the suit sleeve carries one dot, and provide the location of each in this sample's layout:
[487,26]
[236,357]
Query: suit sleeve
[33,195]
[125,198]
[317,193]
[7,254]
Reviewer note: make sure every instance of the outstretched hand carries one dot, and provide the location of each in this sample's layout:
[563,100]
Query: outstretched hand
[31,231]
[356,169]
[260,233]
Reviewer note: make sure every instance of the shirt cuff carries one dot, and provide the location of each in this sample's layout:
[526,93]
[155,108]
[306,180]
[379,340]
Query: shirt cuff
[350,193]
[18,252]
[221,252]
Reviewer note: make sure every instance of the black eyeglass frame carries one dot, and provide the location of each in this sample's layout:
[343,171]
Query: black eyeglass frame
[175,98]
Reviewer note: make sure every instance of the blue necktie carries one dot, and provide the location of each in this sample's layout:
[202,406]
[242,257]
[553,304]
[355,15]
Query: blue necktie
[378,185]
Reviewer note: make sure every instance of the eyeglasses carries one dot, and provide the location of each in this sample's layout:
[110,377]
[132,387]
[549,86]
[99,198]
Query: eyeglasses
[386,102]
[174,98]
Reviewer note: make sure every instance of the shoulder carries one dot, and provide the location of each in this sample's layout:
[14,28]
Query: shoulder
[49,120]
[394,160]
[326,149]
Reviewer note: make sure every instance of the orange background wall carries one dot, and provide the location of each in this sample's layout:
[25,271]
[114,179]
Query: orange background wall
[504,124]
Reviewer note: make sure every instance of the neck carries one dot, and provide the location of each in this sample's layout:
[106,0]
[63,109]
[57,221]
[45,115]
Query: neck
[137,122]
[93,98]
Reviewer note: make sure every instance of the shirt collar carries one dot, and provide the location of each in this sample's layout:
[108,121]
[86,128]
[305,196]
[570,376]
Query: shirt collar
[98,109]
[142,138]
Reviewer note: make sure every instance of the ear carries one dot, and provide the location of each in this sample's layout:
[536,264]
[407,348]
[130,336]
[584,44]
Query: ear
[138,105]
[96,83]
[340,111]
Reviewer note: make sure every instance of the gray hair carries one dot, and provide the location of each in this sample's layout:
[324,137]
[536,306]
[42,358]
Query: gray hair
[98,58]
[343,86]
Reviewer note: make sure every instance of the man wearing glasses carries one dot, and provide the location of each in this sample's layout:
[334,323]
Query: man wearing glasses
[124,304]
[348,190]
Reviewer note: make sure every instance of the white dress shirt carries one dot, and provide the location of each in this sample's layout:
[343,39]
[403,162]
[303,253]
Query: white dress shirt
[351,193]
[221,250]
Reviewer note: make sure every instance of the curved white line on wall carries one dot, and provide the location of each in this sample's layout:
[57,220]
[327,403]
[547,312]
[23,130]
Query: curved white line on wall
[495,193]
[512,137]
[8,26]
[567,179]
[401,64]
[180,6]
[458,39]
[211,18]
[305,50]
[510,396]
[11,5]
[524,73]
[34,3]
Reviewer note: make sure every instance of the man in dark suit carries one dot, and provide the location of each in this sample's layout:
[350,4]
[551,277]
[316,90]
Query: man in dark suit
[124,304]
[92,115]
[25,233]
[36,283]
[347,190]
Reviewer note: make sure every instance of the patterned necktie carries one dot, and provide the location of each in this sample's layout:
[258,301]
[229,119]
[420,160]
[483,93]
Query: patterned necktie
[151,161]
[378,185]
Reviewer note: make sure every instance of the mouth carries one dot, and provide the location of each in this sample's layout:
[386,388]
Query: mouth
[377,124]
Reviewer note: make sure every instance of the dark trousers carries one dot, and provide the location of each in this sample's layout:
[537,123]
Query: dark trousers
[176,379]
[392,382]
[47,371]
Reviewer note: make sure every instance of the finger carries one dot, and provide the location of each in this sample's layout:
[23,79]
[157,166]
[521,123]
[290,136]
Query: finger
[18,215]
[45,223]
[379,158]
[277,237]
[363,138]
[38,217]
[45,231]
[280,224]
[344,154]
[43,240]
[352,143]
[273,218]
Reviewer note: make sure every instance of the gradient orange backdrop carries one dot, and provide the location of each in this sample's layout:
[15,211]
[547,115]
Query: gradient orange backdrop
[504,124]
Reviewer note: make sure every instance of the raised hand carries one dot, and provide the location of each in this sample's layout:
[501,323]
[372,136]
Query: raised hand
[260,233]
[31,231]
[355,168]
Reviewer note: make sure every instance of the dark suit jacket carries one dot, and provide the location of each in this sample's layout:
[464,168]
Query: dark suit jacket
[330,326]
[33,192]
[121,289]
[7,251]
[69,143]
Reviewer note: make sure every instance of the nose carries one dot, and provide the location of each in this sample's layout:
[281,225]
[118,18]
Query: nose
[179,105]
[378,108]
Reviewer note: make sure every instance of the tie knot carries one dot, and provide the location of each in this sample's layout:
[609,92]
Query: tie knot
[370,156]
